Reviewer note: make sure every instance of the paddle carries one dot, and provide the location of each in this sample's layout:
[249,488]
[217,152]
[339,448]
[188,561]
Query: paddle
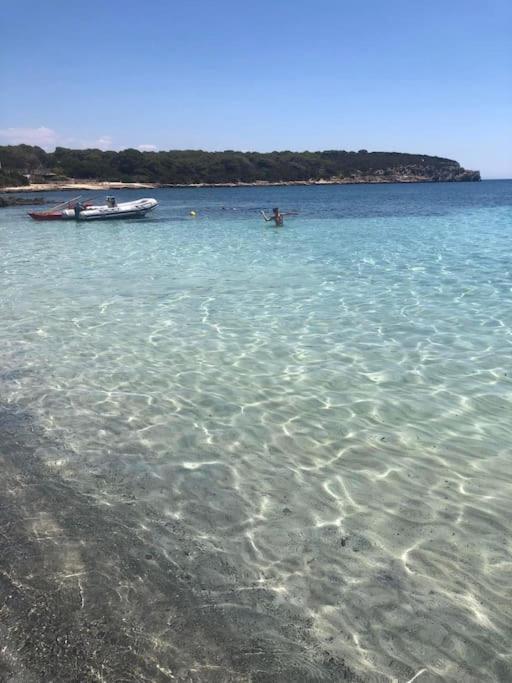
[63,204]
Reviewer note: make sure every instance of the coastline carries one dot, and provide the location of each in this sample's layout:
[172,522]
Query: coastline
[97,185]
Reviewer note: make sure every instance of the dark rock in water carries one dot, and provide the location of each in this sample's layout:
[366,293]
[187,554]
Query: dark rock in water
[471,176]
[20,201]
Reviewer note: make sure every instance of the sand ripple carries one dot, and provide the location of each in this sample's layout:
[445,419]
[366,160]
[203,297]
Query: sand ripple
[320,416]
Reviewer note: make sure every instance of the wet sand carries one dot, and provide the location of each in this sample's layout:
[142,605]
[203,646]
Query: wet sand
[86,595]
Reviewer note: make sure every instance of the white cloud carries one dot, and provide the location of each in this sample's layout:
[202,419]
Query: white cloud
[48,139]
[146,148]
[103,142]
[42,136]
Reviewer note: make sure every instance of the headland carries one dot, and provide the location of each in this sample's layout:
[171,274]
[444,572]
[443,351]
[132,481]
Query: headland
[26,168]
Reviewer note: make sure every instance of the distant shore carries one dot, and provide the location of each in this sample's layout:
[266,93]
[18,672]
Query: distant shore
[102,185]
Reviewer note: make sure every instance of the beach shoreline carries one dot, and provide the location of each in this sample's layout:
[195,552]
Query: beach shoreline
[97,185]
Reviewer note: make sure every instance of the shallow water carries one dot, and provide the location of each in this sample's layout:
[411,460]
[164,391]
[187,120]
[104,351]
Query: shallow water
[309,427]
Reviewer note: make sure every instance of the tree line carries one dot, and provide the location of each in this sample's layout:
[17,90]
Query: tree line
[197,166]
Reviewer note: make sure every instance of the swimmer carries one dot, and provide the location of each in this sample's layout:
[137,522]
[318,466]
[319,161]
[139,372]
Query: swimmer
[277,216]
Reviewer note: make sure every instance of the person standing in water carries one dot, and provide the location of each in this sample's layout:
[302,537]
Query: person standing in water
[78,207]
[277,216]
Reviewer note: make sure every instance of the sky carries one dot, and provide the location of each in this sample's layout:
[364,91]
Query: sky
[430,77]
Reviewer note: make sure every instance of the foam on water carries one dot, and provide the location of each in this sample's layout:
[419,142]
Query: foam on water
[325,410]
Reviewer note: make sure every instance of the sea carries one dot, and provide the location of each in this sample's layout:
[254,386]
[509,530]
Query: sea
[236,452]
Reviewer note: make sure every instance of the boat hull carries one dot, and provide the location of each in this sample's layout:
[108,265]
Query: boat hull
[136,209]
[50,216]
[104,216]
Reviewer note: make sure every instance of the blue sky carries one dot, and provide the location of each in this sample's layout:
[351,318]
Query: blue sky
[430,77]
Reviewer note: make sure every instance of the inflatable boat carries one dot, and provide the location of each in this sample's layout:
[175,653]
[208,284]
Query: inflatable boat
[87,211]
[112,209]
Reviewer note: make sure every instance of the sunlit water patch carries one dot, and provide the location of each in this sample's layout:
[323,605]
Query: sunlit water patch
[310,427]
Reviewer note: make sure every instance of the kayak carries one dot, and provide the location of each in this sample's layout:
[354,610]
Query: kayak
[46,215]
[55,213]
[137,208]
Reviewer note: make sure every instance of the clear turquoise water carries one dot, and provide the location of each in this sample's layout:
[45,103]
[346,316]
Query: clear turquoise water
[321,412]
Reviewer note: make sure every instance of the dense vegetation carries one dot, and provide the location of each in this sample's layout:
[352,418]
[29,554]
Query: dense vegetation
[195,166]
